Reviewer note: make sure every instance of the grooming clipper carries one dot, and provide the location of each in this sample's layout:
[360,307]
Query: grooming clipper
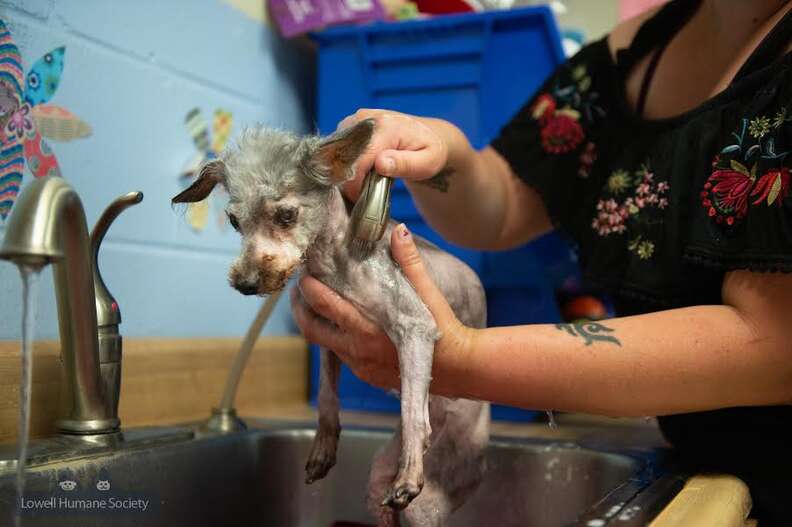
[370,214]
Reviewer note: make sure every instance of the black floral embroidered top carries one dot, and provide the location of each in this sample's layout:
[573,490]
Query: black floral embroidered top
[661,209]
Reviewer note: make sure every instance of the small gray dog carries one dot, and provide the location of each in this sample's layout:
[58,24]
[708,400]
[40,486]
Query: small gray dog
[286,203]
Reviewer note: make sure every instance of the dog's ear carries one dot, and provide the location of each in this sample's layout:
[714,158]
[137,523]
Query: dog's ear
[333,161]
[211,174]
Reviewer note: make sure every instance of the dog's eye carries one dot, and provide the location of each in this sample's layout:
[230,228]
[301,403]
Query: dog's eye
[286,217]
[234,222]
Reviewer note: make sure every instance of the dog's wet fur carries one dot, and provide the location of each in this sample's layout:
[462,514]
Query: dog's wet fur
[286,203]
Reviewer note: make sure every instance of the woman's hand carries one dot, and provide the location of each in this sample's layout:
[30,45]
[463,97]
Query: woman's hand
[402,146]
[456,340]
[334,323]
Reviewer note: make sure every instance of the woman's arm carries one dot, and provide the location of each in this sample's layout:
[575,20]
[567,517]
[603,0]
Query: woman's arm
[471,198]
[675,361]
[681,360]
[477,201]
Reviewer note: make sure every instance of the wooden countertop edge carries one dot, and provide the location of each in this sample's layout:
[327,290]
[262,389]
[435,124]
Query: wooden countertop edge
[708,499]
[164,380]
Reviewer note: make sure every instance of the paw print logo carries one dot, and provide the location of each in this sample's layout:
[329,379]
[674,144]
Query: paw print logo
[68,485]
[103,485]
[208,149]
[26,117]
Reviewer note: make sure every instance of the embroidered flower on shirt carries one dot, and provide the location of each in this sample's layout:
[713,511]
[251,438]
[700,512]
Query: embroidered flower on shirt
[772,186]
[634,201]
[644,249]
[747,173]
[759,127]
[562,133]
[780,117]
[561,114]
[619,181]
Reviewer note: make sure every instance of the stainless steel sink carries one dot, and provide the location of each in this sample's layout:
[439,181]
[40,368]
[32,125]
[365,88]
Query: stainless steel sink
[255,478]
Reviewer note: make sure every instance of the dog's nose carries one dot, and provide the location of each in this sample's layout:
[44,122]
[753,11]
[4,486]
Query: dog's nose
[247,288]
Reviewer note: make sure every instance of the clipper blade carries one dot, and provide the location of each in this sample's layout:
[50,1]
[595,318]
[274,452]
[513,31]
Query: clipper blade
[361,249]
[370,215]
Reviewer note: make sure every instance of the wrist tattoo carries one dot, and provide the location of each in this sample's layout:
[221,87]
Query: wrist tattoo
[440,181]
[589,331]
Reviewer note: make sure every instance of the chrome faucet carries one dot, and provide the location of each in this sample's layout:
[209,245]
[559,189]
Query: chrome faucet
[48,226]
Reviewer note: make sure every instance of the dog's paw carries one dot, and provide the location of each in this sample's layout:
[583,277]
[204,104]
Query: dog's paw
[317,466]
[402,494]
[323,455]
[316,469]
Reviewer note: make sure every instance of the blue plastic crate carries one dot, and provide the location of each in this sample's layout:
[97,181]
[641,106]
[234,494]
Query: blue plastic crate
[547,261]
[476,71]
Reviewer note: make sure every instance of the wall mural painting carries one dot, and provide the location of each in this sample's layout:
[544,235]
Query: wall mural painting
[27,117]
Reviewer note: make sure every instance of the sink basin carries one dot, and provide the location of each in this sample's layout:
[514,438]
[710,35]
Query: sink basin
[255,478]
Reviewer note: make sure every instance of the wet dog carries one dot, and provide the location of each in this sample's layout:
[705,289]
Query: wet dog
[286,204]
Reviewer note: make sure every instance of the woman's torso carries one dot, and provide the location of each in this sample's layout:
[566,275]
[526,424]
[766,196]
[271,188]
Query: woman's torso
[662,206]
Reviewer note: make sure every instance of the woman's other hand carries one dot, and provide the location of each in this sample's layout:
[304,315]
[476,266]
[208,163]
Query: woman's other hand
[456,339]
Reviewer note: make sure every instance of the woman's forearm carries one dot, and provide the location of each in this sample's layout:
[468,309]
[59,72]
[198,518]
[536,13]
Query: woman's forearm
[680,360]
[476,201]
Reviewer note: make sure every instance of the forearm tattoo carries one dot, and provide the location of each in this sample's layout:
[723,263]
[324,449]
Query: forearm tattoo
[589,332]
[440,181]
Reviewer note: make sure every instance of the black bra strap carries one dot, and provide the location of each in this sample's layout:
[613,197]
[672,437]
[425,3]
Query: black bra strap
[770,47]
[647,80]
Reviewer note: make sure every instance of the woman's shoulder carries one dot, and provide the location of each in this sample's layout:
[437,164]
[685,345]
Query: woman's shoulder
[622,35]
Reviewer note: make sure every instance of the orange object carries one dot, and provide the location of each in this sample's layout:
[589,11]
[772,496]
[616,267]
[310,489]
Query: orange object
[587,307]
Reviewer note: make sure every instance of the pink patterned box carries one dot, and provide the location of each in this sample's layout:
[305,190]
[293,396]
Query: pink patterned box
[295,17]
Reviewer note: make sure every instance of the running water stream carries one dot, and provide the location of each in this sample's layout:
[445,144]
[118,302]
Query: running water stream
[30,275]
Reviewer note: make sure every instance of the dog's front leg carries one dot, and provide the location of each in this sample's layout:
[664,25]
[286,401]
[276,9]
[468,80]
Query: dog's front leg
[415,367]
[325,444]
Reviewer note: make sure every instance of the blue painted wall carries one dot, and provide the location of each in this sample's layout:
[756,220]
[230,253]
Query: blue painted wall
[132,71]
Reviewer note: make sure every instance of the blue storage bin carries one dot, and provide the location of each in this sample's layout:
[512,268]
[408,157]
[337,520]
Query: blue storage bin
[476,71]
[513,306]
[547,261]
[521,284]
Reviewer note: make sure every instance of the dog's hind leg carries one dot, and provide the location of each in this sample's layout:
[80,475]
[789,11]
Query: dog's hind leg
[415,367]
[323,452]
[383,470]
[455,463]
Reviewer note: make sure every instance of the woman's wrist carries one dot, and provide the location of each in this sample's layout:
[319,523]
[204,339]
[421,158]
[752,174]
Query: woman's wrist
[460,155]
[453,357]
